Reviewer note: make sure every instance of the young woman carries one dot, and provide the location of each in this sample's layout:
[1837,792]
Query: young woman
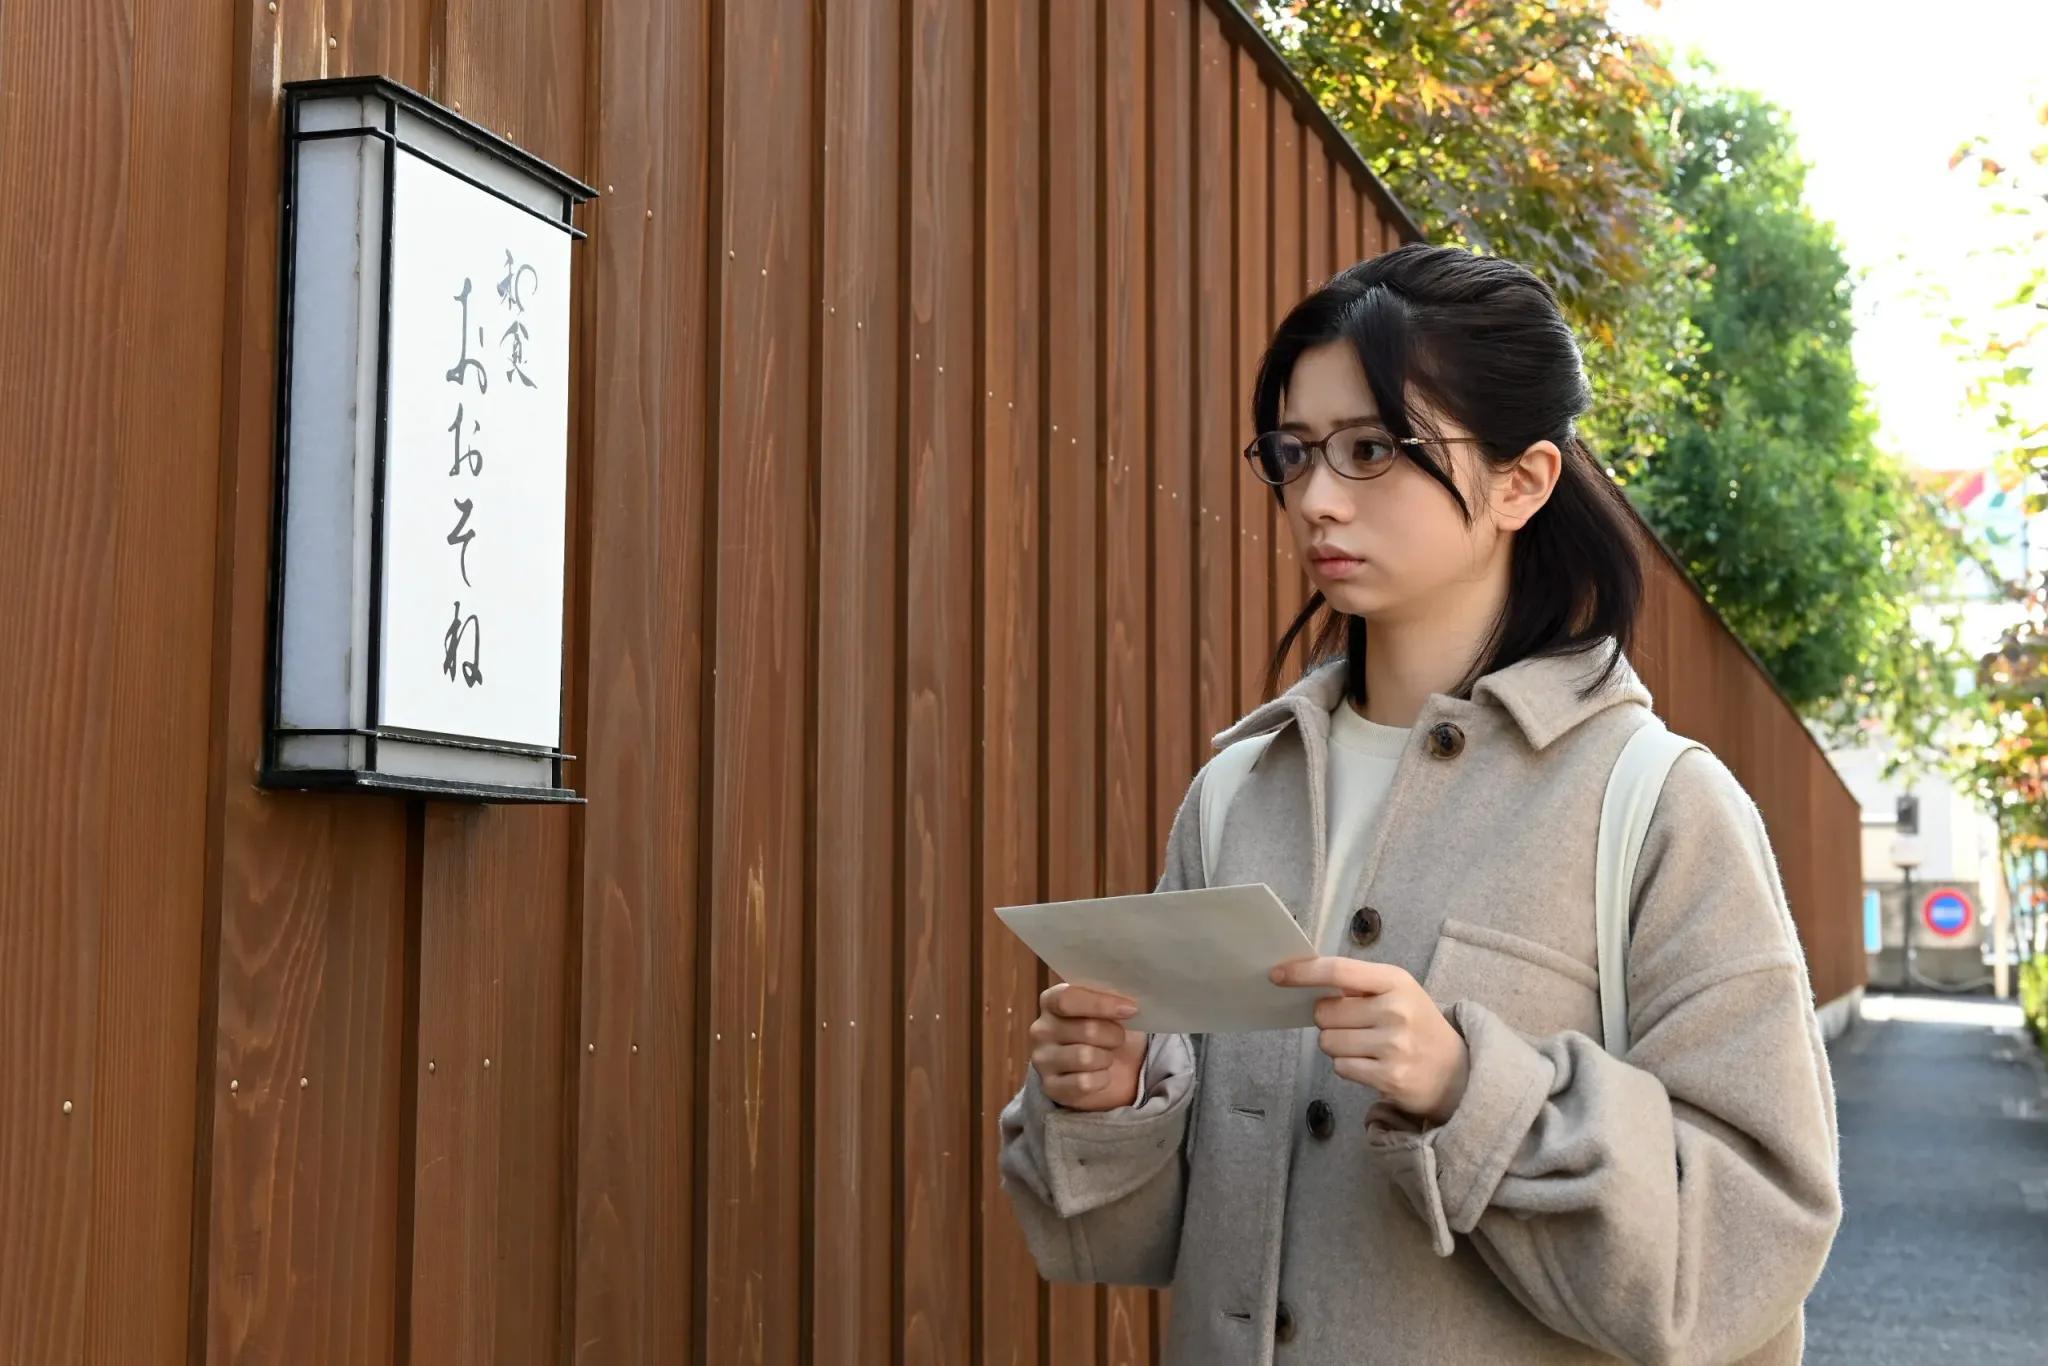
[1450,1167]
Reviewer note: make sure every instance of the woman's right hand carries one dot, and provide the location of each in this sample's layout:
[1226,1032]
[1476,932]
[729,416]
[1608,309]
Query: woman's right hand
[1086,1059]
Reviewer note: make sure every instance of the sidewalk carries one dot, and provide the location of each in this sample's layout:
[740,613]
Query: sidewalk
[1943,1254]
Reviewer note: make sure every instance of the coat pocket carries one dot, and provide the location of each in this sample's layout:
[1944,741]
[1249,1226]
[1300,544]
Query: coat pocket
[1537,990]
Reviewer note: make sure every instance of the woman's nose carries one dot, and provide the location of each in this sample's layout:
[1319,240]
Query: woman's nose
[1322,493]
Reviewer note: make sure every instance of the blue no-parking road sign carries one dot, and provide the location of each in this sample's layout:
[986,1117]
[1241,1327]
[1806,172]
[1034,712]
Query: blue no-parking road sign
[1947,913]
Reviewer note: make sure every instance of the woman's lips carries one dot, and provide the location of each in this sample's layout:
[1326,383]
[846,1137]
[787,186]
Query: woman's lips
[1337,567]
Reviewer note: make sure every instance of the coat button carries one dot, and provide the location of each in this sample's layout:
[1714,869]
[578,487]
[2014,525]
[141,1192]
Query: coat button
[1283,1324]
[1446,741]
[1365,927]
[1322,1120]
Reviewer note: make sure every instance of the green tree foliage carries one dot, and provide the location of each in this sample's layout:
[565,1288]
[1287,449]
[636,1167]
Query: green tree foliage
[2004,758]
[1715,313]
[1534,131]
[1771,489]
[2011,347]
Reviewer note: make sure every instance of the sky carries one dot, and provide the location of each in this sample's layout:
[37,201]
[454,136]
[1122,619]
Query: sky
[1879,94]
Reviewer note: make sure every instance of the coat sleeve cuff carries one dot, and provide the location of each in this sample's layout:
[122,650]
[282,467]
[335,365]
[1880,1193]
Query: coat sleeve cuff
[1449,1171]
[1092,1158]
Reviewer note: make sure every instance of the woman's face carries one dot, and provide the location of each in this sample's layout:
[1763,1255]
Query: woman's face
[1408,552]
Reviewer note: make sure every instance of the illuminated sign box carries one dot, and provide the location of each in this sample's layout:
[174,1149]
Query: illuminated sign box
[418,570]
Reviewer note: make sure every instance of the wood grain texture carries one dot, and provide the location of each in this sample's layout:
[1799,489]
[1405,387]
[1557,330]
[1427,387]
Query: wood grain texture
[165,459]
[486,1187]
[763,672]
[939,1143]
[1074,551]
[912,564]
[300,1186]
[1175,682]
[862,603]
[1174,659]
[1317,186]
[1130,484]
[632,1288]
[486,1177]
[1216,386]
[1286,246]
[1258,631]
[1318,217]
[1345,203]
[65,251]
[1010,646]
[631,1285]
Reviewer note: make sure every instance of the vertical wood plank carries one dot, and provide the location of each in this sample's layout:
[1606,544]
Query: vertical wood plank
[938,1149]
[519,72]
[1251,322]
[1287,276]
[486,1227]
[138,1121]
[375,36]
[858,1088]
[1318,210]
[1344,239]
[1073,578]
[494,885]
[634,1286]
[1177,604]
[1317,177]
[299,1188]
[1216,388]
[1170,418]
[633,1248]
[1010,645]
[1128,488]
[66,250]
[762,679]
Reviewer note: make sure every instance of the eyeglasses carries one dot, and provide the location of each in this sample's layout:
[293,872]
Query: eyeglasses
[1364,452]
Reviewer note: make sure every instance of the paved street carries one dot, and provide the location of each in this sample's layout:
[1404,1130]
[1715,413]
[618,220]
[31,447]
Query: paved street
[1943,1255]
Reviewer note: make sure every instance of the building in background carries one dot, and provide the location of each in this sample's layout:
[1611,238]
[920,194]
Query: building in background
[1938,908]
[1933,889]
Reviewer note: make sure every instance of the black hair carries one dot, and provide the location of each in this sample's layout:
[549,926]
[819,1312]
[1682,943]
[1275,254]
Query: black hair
[1481,341]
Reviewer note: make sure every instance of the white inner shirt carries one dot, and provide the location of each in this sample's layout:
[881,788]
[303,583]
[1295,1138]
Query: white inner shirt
[1362,757]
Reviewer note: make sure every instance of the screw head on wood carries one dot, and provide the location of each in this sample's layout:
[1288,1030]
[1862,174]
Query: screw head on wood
[67,1107]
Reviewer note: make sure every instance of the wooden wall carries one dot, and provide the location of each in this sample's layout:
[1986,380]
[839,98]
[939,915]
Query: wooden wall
[912,566]
[1706,684]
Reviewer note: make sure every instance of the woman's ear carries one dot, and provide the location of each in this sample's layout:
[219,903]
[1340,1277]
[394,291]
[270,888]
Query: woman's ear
[1524,487]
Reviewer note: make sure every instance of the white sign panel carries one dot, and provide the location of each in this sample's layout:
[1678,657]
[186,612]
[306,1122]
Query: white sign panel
[475,464]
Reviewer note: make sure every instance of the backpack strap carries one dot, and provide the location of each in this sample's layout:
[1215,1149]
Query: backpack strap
[1226,773]
[1632,792]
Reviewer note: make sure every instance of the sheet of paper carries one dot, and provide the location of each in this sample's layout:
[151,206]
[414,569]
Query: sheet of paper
[1194,961]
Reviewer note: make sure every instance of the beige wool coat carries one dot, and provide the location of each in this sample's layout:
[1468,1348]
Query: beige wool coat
[1675,1205]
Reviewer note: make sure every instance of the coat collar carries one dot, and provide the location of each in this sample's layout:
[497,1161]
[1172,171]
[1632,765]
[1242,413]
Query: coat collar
[1541,694]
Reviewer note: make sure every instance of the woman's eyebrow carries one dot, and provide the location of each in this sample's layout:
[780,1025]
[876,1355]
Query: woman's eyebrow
[1368,420]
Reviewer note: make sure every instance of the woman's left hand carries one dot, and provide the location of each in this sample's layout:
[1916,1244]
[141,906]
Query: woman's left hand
[1385,1032]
